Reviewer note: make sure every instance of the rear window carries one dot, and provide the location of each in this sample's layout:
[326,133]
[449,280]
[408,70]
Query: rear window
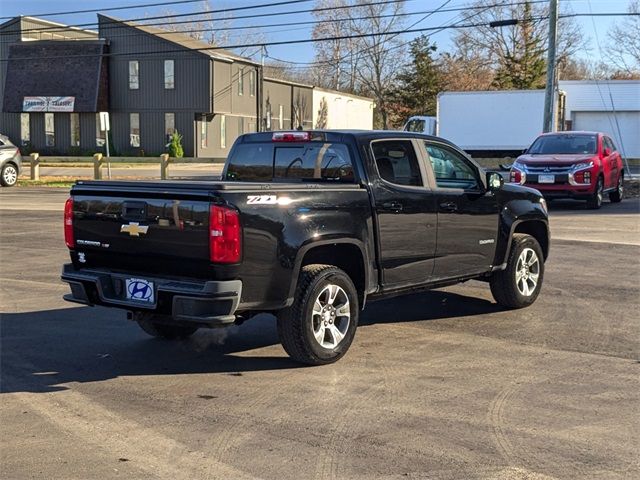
[266,162]
[564,144]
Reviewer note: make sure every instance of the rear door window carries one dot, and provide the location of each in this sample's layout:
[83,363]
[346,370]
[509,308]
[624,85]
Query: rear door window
[397,162]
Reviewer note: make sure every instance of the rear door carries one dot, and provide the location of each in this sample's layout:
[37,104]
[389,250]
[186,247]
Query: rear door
[406,213]
[467,213]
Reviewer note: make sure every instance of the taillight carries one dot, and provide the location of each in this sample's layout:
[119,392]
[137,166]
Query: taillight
[68,223]
[225,235]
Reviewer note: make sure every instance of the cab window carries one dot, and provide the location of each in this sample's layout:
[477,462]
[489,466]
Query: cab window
[397,162]
[450,169]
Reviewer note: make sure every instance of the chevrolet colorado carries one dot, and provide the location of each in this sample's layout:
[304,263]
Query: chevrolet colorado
[309,226]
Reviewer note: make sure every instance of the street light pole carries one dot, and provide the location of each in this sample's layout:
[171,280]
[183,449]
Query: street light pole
[549,94]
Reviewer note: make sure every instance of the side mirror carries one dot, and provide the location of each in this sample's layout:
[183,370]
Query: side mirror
[495,181]
[606,152]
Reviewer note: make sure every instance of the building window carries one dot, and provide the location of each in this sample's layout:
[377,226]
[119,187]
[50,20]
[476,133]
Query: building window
[204,143]
[169,124]
[169,78]
[134,129]
[25,128]
[240,125]
[50,130]
[252,83]
[240,81]
[223,131]
[74,120]
[101,136]
[134,75]
[281,117]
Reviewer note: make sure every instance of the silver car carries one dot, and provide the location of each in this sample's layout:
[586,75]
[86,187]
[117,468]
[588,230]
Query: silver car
[10,162]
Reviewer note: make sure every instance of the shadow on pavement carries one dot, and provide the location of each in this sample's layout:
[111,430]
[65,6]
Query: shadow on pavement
[629,206]
[42,350]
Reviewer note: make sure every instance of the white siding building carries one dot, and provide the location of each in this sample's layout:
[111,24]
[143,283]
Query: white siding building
[343,110]
[610,106]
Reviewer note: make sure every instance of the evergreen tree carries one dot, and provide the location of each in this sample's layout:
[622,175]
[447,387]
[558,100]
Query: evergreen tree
[418,85]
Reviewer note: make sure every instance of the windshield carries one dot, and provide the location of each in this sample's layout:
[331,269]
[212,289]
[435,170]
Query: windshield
[564,144]
[313,161]
[414,126]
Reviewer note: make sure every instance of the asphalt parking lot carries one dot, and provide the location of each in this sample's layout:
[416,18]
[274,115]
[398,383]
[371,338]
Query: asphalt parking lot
[440,385]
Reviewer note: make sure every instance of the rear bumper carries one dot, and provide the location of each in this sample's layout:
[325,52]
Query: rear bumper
[209,303]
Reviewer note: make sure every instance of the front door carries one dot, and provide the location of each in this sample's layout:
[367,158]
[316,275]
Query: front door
[467,214]
[406,214]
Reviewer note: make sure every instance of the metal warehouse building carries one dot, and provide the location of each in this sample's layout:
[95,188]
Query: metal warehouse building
[56,79]
[611,106]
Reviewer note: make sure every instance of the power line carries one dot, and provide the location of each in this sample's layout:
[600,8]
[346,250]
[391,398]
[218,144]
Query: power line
[311,22]
[438,29]
[273,43]
[165,17]
[109,9]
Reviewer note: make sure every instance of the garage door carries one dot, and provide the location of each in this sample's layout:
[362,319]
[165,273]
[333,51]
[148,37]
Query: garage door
[627,140]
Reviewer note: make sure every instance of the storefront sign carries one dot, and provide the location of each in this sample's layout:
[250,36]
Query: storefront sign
[48,104]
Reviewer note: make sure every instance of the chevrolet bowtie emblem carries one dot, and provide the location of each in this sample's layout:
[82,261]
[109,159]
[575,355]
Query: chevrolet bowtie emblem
[134,229]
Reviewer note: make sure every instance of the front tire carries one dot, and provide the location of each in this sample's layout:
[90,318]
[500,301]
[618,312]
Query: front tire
[617,195]
[9,175]
[595,201]
[320,325]
[164,330]
[519,284]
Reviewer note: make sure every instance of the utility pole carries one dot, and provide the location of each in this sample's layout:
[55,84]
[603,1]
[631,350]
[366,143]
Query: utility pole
[549,94]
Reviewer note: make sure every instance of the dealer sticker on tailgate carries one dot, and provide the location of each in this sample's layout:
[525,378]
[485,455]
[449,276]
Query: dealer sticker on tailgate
[140,290]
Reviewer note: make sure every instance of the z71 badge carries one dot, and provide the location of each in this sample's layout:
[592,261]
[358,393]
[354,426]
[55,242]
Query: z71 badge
[267,200]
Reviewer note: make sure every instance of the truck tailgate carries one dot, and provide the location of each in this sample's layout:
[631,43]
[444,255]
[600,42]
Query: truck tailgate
[141,228]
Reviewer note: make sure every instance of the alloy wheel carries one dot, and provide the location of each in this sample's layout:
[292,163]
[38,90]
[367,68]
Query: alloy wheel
[527,272]
[331,316]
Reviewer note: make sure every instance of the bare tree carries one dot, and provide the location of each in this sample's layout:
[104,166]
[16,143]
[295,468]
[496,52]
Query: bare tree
[212,28]
[515,51]
[623,49]
[379,56]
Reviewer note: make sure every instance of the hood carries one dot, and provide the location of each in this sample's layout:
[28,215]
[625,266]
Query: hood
[555,159]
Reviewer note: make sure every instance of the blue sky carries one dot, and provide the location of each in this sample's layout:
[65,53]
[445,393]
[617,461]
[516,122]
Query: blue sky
[302,52]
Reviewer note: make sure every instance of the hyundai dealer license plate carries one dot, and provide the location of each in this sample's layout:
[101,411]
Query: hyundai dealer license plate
[140,290]
[546,178]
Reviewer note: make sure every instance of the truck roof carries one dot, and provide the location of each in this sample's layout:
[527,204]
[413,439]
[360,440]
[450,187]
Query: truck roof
[339,135]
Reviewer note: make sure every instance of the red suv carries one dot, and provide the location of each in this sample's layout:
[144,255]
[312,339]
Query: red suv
[582,165]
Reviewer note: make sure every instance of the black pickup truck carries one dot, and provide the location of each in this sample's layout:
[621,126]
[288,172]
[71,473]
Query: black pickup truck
[309,226]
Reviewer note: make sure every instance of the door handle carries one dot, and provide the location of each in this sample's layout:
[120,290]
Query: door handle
[395,206]
[449,206]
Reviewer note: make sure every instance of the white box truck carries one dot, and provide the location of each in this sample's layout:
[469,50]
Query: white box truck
[491,123]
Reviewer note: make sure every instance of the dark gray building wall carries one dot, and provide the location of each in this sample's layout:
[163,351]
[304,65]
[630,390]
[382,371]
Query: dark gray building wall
[243,102]
[191,69]
[277,94]
[9,33]
[222,87]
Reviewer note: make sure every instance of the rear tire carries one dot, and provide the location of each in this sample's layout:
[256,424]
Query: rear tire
[595,201]
[166,331]
[618,194]
[9,175]
[519,284]
[320,325]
